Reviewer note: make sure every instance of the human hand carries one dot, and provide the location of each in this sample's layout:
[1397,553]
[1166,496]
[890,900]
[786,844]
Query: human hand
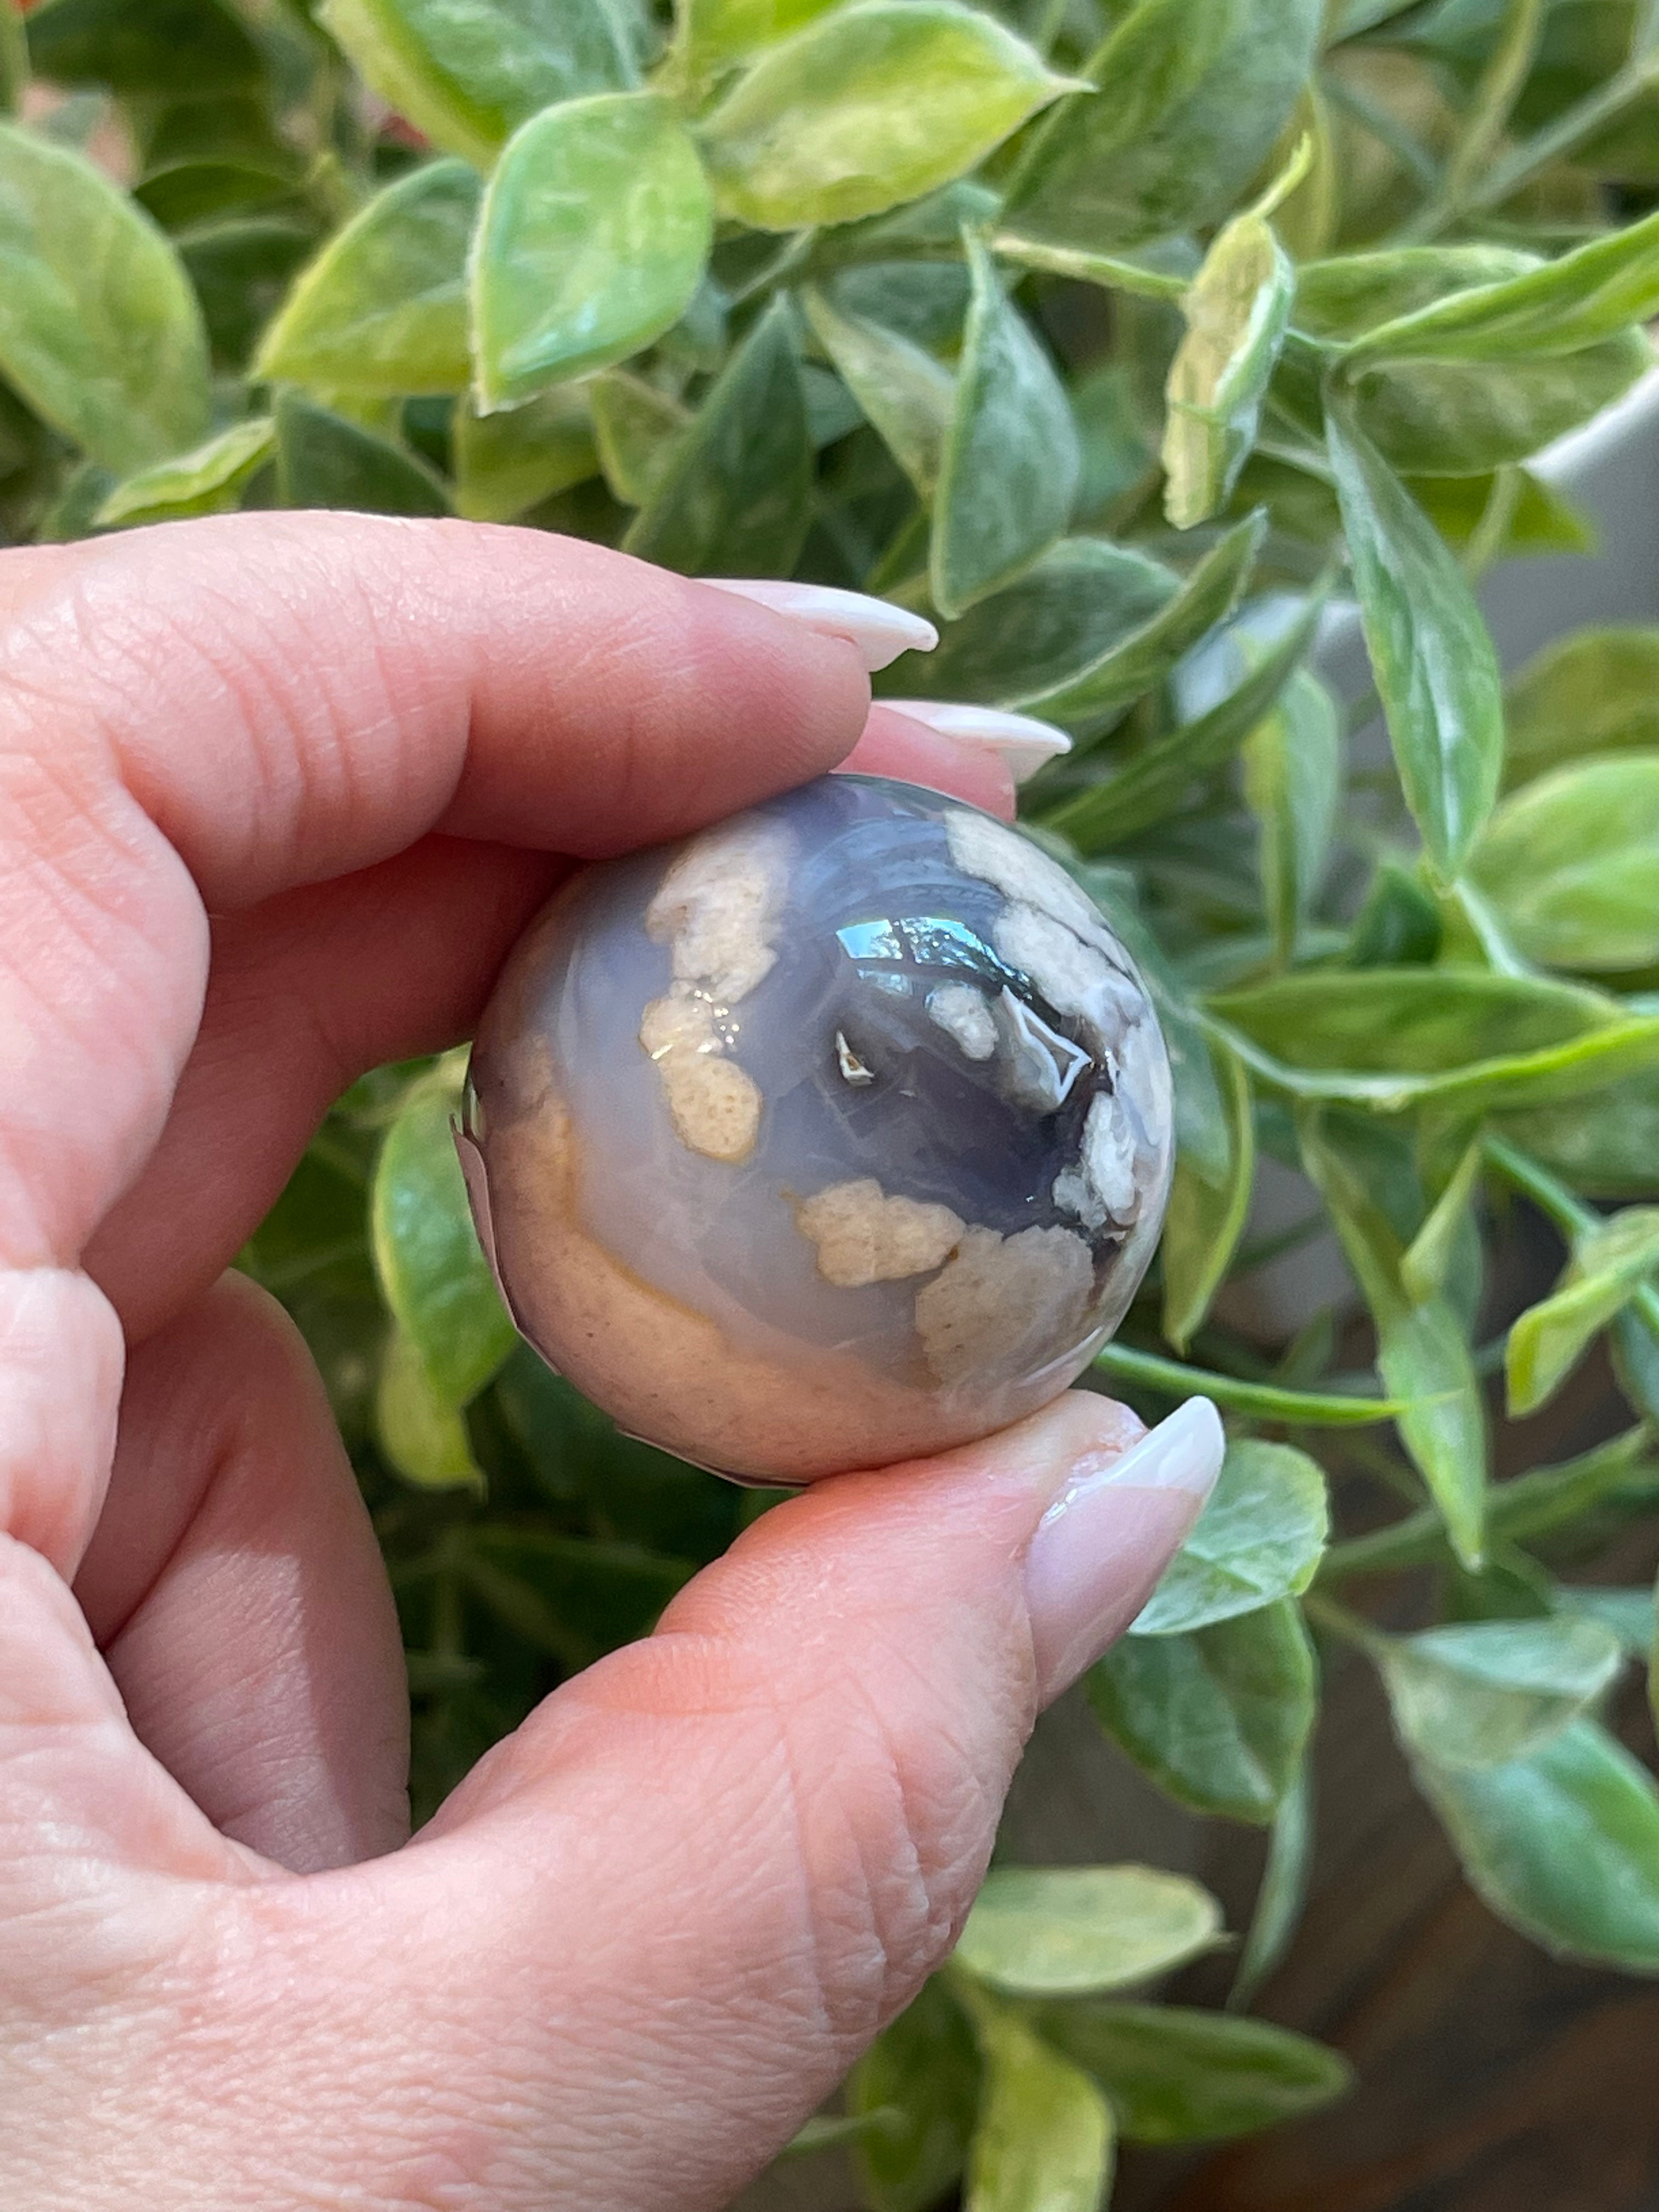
[277,794]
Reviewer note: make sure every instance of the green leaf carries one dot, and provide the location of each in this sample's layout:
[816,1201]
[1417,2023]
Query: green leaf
[1609,1267]
[1076,607]
[1138,661]
[1008,473]
[713,32]
[1258,1539]
[1442,417]
[593,238]
[734,498]
[323,460]
[1593,691]
[1480,1693]
[467,73]
[1571,864]
[99,330]
[1190,104]
[1292,765]
[866,107]
[1606,1143]
[1399,926]
[422,1435]
[1457,418]
[926,2067]
[1219,1719]
[1044,2138]
[162,47]
[1629,1614]
[1058,1931]
[906,395]
[1427,1261]
[1345,298]
[434,1278]
[637,429]
[182,194]
[383,310]
[1589,294]
[14,57]
[1206,1215]
[1410,1021]
[1282,1895]
[1564,1845]
[1237,312]
[1157,779]
[1431,653]
[209,481]
[1534,517]
[241,271]
[1391,1037]
[1174,2075]
[1423,1355]
[924,301]
[508,463]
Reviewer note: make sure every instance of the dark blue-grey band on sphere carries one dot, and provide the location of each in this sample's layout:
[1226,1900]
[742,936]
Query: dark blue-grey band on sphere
[833,1134]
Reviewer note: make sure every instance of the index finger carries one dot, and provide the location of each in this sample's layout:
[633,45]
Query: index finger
[274,699]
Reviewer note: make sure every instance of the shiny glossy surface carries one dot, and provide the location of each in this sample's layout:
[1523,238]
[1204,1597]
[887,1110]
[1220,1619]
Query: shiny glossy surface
[837,1134]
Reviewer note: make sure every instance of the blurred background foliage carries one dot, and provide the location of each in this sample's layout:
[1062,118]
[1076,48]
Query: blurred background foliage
[1123,335]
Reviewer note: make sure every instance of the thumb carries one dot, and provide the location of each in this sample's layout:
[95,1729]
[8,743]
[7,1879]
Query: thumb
[704,1874]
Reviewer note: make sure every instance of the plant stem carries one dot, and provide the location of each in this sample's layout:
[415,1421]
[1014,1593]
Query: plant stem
[1337,1620]
[1263,1400]
[1489,111]
[1563,136]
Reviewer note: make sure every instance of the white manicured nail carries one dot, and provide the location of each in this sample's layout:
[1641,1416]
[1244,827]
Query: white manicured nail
[1113,1526]
[1024,743]
[880,631]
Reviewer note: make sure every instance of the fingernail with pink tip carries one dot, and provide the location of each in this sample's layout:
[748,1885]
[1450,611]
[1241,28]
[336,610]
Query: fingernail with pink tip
[1115,1524]
[1024,744]
[880,631]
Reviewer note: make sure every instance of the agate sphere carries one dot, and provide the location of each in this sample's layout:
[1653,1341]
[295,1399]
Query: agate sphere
[835,1134]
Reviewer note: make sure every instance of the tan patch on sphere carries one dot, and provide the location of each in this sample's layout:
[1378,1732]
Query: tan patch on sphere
[715,1108]
[1001,1299]
[863,1236]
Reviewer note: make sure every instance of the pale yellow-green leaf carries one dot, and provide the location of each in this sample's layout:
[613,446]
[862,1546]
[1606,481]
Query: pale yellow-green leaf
[868,107]
[1043,1931]
[1206,1216]
[100,330]
[424,1439]
[207,481]
[382,309]
[593,241]
[1044,2139]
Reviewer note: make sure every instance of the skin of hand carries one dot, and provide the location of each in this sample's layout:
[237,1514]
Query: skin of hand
[276,794]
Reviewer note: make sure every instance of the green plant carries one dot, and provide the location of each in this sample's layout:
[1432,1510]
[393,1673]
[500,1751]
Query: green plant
[1118,332]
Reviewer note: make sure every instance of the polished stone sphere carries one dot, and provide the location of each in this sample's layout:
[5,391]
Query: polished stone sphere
[835,1134]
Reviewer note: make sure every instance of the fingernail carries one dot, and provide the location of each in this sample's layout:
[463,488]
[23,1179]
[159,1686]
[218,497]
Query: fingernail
[1024,743]
[1113,1526]
[880,631]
